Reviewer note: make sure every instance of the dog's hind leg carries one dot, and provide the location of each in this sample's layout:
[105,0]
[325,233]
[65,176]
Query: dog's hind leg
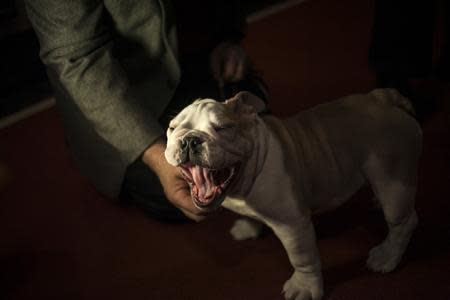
[395,189]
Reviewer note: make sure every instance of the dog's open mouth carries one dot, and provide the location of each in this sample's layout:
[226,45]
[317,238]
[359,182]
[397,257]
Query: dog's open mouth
[208,185]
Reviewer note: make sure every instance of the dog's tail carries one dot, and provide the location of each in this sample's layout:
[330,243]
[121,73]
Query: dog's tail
[393,97]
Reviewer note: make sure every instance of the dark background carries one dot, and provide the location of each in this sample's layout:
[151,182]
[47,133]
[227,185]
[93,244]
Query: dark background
[60,239]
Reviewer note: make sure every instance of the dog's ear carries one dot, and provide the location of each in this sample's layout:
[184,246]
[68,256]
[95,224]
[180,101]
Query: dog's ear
[246,103]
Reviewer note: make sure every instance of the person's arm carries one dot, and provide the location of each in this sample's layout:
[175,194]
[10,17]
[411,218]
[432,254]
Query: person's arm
[76,46]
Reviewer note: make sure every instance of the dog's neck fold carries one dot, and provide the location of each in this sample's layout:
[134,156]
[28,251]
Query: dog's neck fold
[251,168]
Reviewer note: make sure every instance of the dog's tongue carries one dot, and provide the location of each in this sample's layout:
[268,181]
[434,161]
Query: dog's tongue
[204,184]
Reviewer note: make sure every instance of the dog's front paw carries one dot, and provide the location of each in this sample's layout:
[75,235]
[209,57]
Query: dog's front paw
[303,287]
[244,229]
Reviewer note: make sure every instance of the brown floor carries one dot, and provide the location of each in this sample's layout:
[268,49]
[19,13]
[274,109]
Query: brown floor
[60,240]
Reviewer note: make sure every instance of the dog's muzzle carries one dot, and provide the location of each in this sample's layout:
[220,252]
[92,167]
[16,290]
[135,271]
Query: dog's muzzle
[208,186]
[208,183]
[190,149]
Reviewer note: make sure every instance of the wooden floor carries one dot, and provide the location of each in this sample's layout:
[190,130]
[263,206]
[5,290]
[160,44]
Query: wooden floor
[59,239]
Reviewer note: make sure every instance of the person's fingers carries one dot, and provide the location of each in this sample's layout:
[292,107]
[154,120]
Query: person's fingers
[230,66]
[241,70]
[184,202]
[194,217]
[181,197]
[176,189]
[229,62]
[237,56]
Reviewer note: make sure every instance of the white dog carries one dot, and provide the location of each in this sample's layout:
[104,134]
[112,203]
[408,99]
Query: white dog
[280,172]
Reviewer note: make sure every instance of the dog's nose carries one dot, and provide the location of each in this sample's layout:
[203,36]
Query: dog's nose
[190,142]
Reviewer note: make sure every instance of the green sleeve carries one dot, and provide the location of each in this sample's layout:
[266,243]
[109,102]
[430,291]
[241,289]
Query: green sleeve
[77,43]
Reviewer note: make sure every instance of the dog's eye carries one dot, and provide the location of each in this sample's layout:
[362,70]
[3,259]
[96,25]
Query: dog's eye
[218,128]
[171,128]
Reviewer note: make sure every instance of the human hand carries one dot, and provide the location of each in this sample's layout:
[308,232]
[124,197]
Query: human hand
[229,63]
[176,189]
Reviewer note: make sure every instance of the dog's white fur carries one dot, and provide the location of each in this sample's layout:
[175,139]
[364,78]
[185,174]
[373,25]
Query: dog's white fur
[313,162]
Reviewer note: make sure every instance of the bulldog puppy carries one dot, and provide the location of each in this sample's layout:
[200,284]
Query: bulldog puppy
[280,172]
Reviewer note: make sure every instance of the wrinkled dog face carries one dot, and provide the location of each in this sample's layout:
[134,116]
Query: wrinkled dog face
[209,141]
